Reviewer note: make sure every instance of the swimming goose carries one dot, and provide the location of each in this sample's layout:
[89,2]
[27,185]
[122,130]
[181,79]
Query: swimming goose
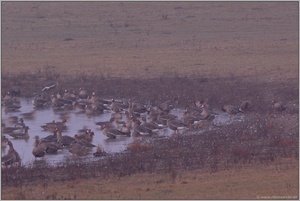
[168,105]
[20,134]
[164,117]
[112,133]
[109,124]
[139,129]
[150,125]
[83,142]
[11,157]
[50,144]
[41,100]
[38,151]
[64,141]
[28,115]
[13,119]
[77,149]
[86,134]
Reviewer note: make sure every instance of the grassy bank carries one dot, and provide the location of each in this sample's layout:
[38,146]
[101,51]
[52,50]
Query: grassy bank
[279,178]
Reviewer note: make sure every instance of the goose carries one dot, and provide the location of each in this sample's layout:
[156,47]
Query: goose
[168,105]
[139,129]
[164,117]
[278,105]
[8,129]
[12,108]
[13,119]
[3,142]
[176,124]
[125,129]
[8,99]
[112,133]
[11,157]
[77,149]
[64,141]
[50,144]
[38,151]
[230,109]
[151,126]
[191,119]
[28,115]
[245,106]
[20,134]
[85,134]
[109,124]
[40,101]
[83,142]
[82,94]
[99,152]
[15,90]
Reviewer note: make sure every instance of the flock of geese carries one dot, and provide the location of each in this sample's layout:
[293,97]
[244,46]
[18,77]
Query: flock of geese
[128,118]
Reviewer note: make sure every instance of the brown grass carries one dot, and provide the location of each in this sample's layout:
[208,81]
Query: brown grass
[252,182]
[151,39]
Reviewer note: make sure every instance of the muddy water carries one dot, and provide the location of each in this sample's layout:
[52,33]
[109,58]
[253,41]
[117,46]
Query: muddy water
[76,121]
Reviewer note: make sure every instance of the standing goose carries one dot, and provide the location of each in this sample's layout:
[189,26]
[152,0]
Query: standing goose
[99,152]
[38,151]
[11,157]
[230,109]
[175,125]
[245,106]
[278,106]
[16,90]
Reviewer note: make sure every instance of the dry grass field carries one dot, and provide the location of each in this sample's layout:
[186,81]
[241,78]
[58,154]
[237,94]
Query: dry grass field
[223,51]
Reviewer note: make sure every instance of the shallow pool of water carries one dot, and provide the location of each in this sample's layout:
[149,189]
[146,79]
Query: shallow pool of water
[75,121]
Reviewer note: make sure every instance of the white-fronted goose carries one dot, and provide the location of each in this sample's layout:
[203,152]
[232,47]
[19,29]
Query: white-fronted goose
[245,106]
[20,134]
[278,105]
[38,151]
[112,133]
[64,141]
[15,90]
[168,105]
[176,124]
[150,125]
[138,129]
[99,152]
[82,94]
[77,149]
[11,157]
[230,109]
